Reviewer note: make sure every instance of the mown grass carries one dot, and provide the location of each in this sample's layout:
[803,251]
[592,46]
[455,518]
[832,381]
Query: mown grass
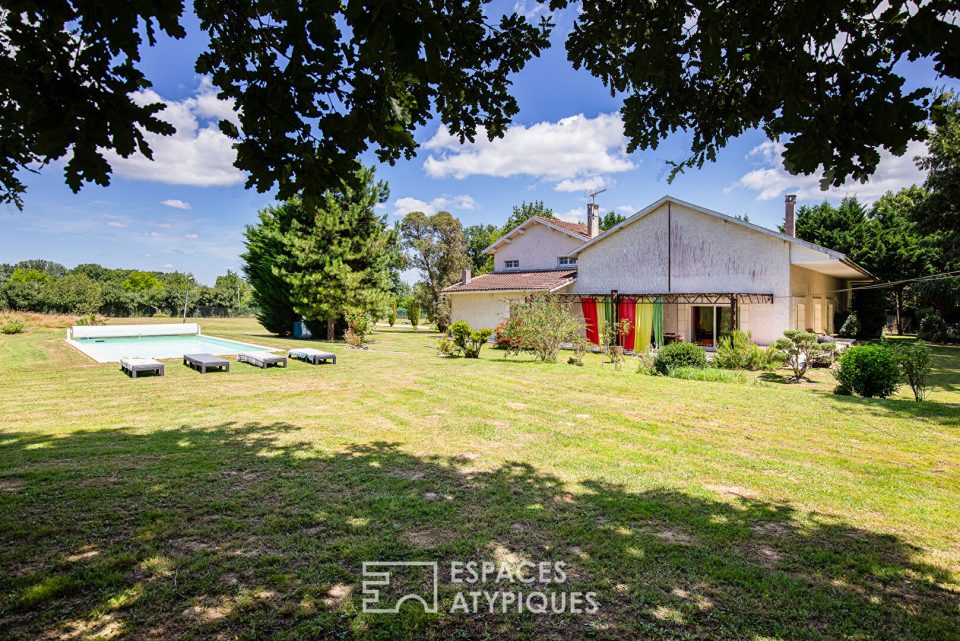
[243,505]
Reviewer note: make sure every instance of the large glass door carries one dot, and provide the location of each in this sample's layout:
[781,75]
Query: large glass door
[710,323]
[702,325]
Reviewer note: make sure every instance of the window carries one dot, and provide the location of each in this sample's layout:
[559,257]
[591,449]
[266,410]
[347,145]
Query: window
[511,264]
[566,261]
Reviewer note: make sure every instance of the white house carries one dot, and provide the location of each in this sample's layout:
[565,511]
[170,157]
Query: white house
[706,272]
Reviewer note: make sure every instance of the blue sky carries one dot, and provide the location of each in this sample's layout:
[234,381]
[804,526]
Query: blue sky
[187,210]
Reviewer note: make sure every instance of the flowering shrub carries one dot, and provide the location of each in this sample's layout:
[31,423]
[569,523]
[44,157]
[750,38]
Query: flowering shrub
[508,334]
[358,326]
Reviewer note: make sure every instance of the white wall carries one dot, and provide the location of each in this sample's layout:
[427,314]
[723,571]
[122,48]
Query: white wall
[706,254]
[483,309]
[537,248]
[812,290]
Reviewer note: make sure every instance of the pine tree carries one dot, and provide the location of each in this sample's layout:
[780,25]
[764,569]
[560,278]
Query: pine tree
[342,254]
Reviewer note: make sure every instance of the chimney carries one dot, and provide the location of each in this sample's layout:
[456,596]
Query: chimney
[789,219]
[467,275]
[593,220]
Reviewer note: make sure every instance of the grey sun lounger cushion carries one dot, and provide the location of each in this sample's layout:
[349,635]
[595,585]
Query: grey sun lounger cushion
[203,362]
[311,355]
[133,366]
[262,359]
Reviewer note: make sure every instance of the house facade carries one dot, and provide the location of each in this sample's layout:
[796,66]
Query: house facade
[703,272]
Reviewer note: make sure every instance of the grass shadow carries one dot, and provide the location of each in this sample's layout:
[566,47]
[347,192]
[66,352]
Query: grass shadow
[242,531]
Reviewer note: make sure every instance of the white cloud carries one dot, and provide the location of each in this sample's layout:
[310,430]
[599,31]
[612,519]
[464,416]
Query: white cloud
[626,209]
[176,203]
[191,236]
[198,154]
[533,12]
[117,224]
[581,184]
[771,180]
[403,206]
[167,266]
[570,152]
[574,215]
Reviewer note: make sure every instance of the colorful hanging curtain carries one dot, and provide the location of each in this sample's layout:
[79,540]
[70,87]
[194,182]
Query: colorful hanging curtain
[644,326]
[589,307]
[628,311]
[658,322]
[605,311]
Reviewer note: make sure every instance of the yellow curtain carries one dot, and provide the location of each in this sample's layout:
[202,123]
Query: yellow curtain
[644,326]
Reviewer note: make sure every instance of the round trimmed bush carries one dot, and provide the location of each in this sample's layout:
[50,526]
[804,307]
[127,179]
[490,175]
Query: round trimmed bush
[679,355]
[868,370]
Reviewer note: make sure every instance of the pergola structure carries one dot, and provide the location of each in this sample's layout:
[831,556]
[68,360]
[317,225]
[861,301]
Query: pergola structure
[695,298]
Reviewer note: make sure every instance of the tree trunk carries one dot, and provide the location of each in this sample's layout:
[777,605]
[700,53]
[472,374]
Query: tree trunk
[898,302]
[330,329]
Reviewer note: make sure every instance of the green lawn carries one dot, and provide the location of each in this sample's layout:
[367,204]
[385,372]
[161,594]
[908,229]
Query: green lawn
[243,505]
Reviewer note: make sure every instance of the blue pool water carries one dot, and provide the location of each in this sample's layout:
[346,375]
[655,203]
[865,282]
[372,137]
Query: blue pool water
[107,350]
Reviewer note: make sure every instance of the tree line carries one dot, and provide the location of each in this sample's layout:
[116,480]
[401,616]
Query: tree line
[905,235]
[48,287]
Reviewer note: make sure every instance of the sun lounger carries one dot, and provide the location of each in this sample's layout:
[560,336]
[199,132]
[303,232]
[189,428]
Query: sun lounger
[203,362]
[313,356]
[132,366]
[262,360]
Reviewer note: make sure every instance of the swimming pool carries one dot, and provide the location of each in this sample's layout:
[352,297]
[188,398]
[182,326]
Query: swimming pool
[112,349]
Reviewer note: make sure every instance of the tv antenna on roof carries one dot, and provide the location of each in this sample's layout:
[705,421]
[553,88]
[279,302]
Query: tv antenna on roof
[593,195]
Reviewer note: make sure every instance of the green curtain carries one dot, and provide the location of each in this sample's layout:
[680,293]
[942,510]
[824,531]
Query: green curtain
[605,311]
[645,317]
[658,322]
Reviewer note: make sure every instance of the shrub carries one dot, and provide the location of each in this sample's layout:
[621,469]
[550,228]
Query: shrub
[914,360]
[679,355]
[89,319]
[545,325]
[801,350]
[352,338]
[710,374]
[13,326]
[850,327]
[932,328]
[392,315]
[738,351]
[579,346]
[413,314]
[446,347]
[358,326]
[646,364]
[868,370]
[469,341]
[442,316]
[508,334]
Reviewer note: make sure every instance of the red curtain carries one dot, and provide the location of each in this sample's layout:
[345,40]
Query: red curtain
[589,307]
[628,309]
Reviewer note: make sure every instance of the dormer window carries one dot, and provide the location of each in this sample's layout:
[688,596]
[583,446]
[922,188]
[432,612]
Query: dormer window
[511,264]
[566,261]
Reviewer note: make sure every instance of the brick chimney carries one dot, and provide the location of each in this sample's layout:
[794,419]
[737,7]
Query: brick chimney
[789,216]
[467,275]
[593,220]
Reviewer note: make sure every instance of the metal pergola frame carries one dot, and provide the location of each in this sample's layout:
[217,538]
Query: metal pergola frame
[733,299]
[707,298]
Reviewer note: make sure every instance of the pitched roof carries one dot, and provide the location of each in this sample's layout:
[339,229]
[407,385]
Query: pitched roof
[796,242]
[539,280]
[576,230]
